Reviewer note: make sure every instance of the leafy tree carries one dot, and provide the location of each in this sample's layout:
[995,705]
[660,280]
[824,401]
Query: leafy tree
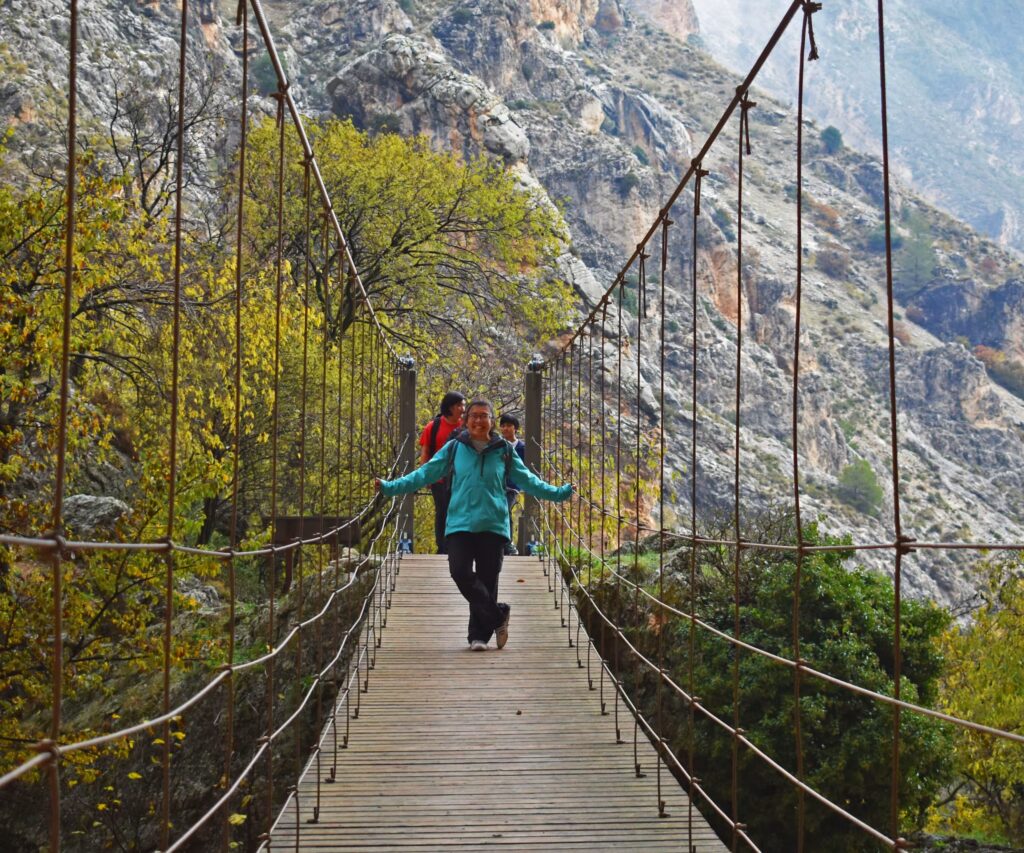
[982,683]
[846,629]
[451,252]
[915,262]
[447,250]
[832,139]
[858,487]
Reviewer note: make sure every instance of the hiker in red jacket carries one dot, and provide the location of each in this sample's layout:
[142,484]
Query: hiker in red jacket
[434,436]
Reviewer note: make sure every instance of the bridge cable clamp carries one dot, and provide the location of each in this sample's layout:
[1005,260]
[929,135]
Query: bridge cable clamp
[904,546]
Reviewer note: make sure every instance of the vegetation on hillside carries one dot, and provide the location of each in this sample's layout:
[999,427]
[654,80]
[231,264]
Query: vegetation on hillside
[983,683]
[951,779]
[846,629]
[448,252]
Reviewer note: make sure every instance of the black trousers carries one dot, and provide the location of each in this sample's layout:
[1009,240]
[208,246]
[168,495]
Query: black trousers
[474,560]
[440,493]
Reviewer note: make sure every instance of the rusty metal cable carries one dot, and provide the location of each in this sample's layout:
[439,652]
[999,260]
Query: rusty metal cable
[699,174]
[618,493]
[236,420]
[299,560]
[637,480]
[321,568]
[165,761]
[902,546]
[275,421]
[744,147]
[809,9]
[604,492]
[663,427]
[57,523]
[58,549]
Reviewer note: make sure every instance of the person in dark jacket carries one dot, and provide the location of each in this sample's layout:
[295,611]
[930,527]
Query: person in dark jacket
[477,526]
[508,424]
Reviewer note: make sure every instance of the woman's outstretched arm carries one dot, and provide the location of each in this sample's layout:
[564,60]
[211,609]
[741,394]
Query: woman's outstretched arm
[426,474]
[534,485]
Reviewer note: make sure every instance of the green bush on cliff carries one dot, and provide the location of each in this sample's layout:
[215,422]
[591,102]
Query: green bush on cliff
[846,630]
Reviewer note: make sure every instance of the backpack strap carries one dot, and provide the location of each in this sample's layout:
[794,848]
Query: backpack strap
[450,470]
[509,448]
[435,428]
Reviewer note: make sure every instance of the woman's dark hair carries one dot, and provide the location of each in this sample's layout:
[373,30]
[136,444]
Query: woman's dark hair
[452,398]
[481,402]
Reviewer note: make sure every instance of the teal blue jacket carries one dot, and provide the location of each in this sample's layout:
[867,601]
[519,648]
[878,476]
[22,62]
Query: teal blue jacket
[478,503]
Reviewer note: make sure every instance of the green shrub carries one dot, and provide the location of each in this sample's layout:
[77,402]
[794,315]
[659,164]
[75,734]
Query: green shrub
[832,139]
[386,123]
[263,75]
[876,240]
[833,262]
[846,630]
[626,183]
[723,219]
[858,487]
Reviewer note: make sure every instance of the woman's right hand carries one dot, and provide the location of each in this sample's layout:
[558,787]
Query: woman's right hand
[376,484]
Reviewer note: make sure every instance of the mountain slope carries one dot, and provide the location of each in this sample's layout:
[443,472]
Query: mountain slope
[954,77]
[603,110]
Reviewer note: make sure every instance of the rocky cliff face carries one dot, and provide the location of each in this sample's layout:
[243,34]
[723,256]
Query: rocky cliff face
[954,76]
[602,105]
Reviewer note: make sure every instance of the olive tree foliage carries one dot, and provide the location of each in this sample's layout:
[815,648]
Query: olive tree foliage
[456,256]
[983,683]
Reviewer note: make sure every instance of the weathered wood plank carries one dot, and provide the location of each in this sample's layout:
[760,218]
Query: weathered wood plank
[461,750]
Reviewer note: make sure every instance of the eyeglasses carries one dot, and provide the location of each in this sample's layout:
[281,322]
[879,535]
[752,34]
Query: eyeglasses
[479,416]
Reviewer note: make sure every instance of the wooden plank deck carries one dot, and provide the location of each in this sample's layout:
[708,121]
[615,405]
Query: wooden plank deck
[461,750]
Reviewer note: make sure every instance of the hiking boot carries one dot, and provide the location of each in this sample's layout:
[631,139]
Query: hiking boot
[511,551]
[478,646]
[501,635]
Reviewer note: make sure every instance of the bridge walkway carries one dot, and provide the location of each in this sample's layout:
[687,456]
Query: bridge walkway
[462,750]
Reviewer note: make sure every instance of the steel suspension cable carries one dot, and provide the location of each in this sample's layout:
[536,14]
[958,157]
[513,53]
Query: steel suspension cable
[637,480]
[173,448]
[243,124]
[661,627]
[699,174]
[809,9]
[274,441]
[902,541]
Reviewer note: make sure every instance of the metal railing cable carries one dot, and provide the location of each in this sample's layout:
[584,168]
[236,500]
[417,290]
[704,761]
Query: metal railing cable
[309,649]
[595,435]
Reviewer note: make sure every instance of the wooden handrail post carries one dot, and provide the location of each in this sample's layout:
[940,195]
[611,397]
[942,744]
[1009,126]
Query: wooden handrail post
[407,433]
[534,439]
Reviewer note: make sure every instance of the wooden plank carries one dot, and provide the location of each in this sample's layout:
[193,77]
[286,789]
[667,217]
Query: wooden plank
[461,750]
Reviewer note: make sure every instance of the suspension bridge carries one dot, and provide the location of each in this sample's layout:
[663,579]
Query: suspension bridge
[352,717]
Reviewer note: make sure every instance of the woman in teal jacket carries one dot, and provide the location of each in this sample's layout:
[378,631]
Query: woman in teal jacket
[478,526]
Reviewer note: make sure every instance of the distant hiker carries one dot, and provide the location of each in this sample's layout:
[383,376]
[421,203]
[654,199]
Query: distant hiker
[434,436]
[508,424]
[477,463]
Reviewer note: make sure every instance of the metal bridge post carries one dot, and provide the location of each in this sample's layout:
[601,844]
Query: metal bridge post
[407,433]
[534,439]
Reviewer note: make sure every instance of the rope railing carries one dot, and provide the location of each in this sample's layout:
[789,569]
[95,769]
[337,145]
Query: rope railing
[603,434]
[263,712]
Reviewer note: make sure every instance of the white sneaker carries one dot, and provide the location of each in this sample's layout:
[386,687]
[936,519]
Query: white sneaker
[478,646]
